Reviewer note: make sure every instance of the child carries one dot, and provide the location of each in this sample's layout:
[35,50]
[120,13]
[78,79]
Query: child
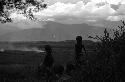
[78,49]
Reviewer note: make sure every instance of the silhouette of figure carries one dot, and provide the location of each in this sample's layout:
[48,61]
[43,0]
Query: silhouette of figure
[78,49]
[48,60]
[45,68]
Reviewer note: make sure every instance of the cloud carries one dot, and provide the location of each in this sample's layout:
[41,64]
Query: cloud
[76,12]
[51,2]
[115,2]
[121,9]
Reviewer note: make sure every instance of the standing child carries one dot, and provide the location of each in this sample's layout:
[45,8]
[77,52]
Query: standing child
[78,49]
[48,60]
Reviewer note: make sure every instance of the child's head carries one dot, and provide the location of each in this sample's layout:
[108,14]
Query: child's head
[79,39]
[48,48]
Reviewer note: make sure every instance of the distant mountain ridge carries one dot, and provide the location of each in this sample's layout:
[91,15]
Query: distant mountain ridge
[52,31]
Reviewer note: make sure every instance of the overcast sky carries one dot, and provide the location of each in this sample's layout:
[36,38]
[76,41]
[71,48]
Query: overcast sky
[92,12]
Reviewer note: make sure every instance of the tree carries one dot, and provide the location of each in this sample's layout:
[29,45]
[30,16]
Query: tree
[19,5]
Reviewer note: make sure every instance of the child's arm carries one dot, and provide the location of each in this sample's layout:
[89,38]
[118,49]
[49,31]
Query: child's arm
[84,49]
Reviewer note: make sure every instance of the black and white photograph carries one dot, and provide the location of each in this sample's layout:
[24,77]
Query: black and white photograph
[62,40]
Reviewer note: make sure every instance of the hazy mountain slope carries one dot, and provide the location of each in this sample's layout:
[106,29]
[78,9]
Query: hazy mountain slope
[52,32]
[7,29]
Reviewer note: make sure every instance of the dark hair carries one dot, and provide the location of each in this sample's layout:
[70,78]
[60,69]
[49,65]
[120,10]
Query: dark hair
[48,48]
[79,38]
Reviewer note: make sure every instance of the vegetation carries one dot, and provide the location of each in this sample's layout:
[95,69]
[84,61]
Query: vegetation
[7,5]
[109,65]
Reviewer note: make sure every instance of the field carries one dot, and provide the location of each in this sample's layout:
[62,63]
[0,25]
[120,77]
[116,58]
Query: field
[19,65]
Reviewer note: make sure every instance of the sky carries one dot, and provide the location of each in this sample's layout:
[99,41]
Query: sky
[93,12]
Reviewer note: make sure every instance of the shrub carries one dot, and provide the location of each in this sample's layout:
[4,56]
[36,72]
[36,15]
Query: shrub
[110,54]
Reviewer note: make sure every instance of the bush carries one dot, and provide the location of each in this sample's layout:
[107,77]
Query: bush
[110,54]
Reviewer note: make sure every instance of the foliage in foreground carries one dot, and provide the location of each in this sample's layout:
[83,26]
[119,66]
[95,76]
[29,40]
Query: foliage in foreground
[109,65]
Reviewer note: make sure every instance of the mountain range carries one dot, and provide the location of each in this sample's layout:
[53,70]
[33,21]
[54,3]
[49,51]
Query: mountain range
[52,31]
